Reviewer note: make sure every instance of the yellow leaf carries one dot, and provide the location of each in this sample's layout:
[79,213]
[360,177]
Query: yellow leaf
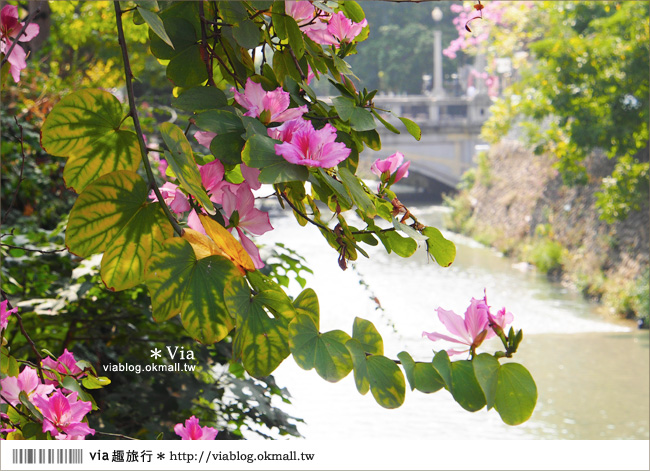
[230,246]
[203,246]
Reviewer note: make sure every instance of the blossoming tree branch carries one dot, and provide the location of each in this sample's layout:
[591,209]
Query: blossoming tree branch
[181,216]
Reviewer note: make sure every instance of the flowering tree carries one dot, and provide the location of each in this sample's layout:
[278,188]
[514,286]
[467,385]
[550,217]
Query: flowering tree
[242,72]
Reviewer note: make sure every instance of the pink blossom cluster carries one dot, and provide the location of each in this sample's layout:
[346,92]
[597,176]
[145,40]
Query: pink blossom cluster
[10,28]
[63,413]
[391,169]
[492,15]
[477,325]
[231,196]
[302,144]
[4,314]
[322,27]
[191,430]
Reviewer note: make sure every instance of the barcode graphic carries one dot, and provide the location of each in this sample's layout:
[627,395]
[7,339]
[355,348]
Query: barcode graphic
[43,456]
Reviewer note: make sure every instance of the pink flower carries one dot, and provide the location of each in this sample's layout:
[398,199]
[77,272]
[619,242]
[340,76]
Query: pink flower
[193,431]
[204,137]
[268,106]
[4,314]
[286,130]
[312,24]
[474,328]
[212,178]
[63,415]
[9,29]
[65,364]
[470,330]
[174,197]
[240,210]
[251,176]
[212,175]
[502,318]
[392,164]
[27,381]
[312,148]
[343,29]
[193,222]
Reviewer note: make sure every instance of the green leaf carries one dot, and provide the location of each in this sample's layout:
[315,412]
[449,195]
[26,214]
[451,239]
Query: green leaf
[486,369]
[366,333]
[247,34]
[279,19]
[337,187]
[409,367]
[360,118]
[358,193]
[443,251]
[464,387]
[386,124]
[220,122]
[427,379]
[307,304]
[179,283]
[182,162]
[95,382]
[259,152]
[516,394]
[361,379]
[227,147]
[24,399]
[200,99]
[387,383]
[296,40]
[8,364]
[124,260]
[284,66]
[261,341]
[413,129]
[442,365]
[186,67]
[421,376]
[371,139]
[85,128]
[408,230]
[156,24]
[325,352]
[112,216]
[402,246]
[352,10]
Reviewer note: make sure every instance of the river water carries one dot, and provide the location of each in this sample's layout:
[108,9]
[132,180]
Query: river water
[592,373]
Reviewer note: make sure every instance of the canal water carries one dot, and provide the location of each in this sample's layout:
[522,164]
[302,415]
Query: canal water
[592,373]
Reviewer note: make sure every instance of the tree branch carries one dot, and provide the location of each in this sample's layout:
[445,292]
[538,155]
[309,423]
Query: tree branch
[20,177]
[136,120]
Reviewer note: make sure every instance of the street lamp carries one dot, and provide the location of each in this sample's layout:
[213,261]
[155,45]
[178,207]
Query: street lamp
[438,91]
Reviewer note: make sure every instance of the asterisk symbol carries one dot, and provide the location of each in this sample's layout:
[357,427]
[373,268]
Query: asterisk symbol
[161,456]
[156,353]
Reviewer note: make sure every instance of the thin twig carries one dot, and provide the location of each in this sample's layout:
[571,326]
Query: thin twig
[20,177]
[22,31]
[14,407]
[295,61]
[128,75]
[19,318]
[204,45]
[119,435]
[315,223]
[44,252]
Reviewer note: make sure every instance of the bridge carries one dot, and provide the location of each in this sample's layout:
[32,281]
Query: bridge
[450,136]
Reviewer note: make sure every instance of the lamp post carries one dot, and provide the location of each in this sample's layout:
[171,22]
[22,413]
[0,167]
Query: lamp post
[438,91]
